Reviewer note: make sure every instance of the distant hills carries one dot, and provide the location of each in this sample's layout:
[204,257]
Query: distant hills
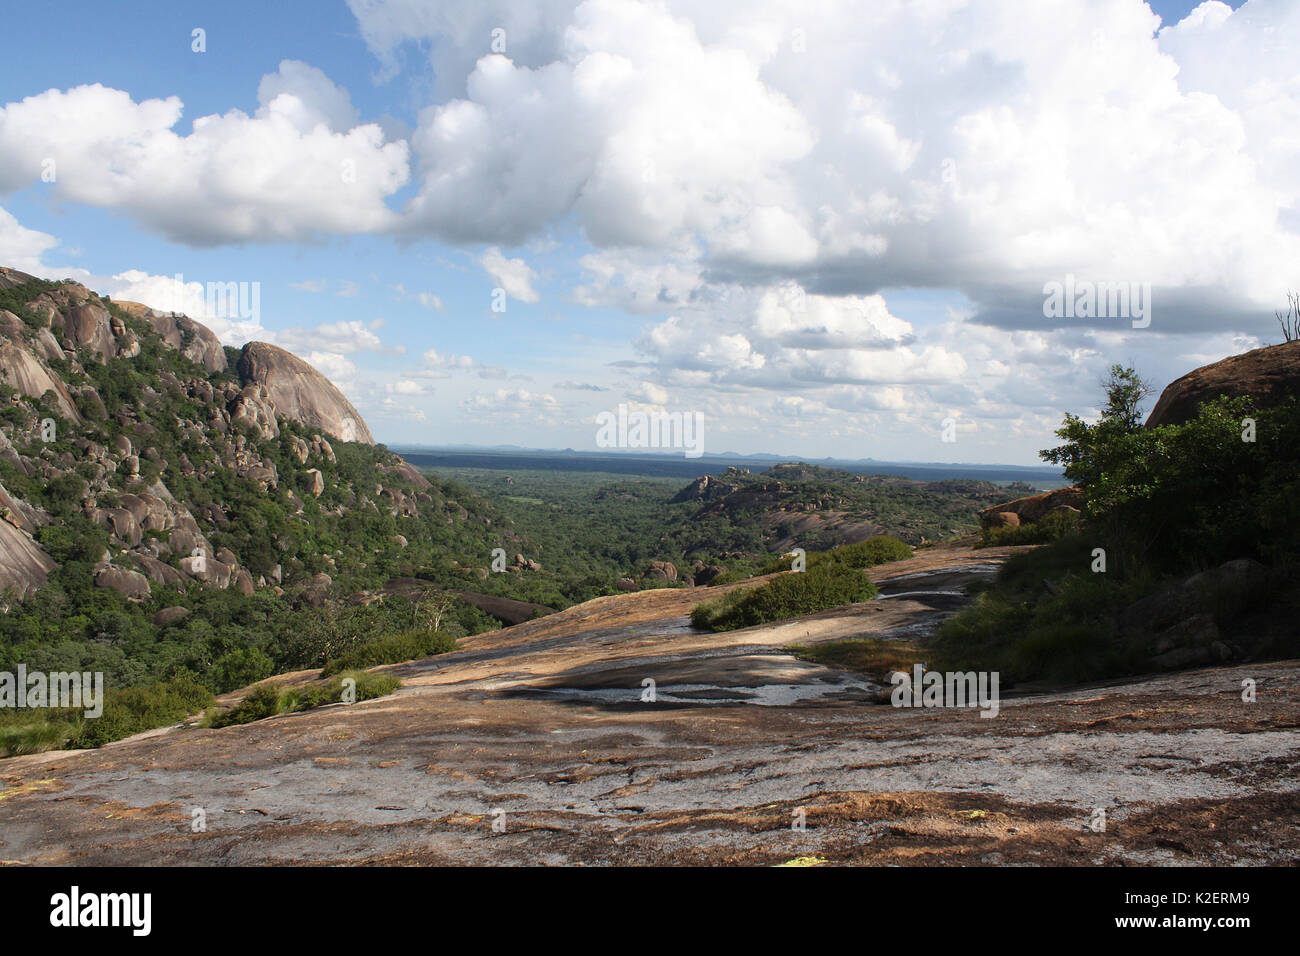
[676,466]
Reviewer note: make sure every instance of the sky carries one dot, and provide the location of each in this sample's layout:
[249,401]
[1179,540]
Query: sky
[828,228]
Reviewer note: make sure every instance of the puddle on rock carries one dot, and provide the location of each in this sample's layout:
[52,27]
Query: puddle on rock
[762,695]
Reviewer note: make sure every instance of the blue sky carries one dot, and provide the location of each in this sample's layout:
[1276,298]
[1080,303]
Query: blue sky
[829,238]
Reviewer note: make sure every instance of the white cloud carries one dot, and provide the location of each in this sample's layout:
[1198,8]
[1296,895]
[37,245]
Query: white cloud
[306,97]
[650,394]
[192,298]
[1018,146]
[512,405]
[515,276]
[22,248]
[341,338]
[787,338]
[438,360]
[282,174]
[406,386]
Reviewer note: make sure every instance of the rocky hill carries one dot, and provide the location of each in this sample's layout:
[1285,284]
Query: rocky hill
[142,464]
[800,505]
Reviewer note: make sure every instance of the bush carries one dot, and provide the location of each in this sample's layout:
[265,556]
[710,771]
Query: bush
[391,649]
[34,736]
[1051,527]
[784,597]
[881,549]
[266,700]
[239,668]
[133,710]
[261,702]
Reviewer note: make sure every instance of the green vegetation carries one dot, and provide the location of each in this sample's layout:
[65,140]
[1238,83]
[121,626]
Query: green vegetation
[1051,527]
[267,700]
[391,649]
[1162,503]
[865,554]
[127,711]
[789,595]
[587,531]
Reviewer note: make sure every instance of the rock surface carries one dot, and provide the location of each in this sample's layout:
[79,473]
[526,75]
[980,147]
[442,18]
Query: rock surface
[192,339]
[1031,508]
[23,565]
[300,392]
[546,721]
[1268,375]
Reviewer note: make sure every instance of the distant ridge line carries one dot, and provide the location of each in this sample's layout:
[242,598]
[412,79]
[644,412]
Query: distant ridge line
[668,466]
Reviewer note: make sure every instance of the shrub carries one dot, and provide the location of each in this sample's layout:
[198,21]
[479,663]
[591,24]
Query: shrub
[881,549]
[787,596]
[35,736]
[266,700]
[391,649]
[239,668]
[133,710]
[1052,527]
[261,702]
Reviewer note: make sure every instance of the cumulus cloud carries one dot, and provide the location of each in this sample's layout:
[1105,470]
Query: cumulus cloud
[22,248]
[342,338]
[441,365]
[515,276]
[439,360]
[793,339]
[512,405]
[306,97]
[284,173]
[754,143]
[406,386]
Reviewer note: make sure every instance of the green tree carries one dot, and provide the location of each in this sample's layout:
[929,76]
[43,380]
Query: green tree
[1091,451]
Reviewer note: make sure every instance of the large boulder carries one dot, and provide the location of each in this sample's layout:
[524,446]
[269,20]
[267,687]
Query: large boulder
[170,615]
[301,393]
[22,370]
[192,339]
[130,584]
[157,572]
[88,325]
[23,565]
[9,278]
[19,513]
[1031,508]
[662,571]
[254,406]
[1268,376]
